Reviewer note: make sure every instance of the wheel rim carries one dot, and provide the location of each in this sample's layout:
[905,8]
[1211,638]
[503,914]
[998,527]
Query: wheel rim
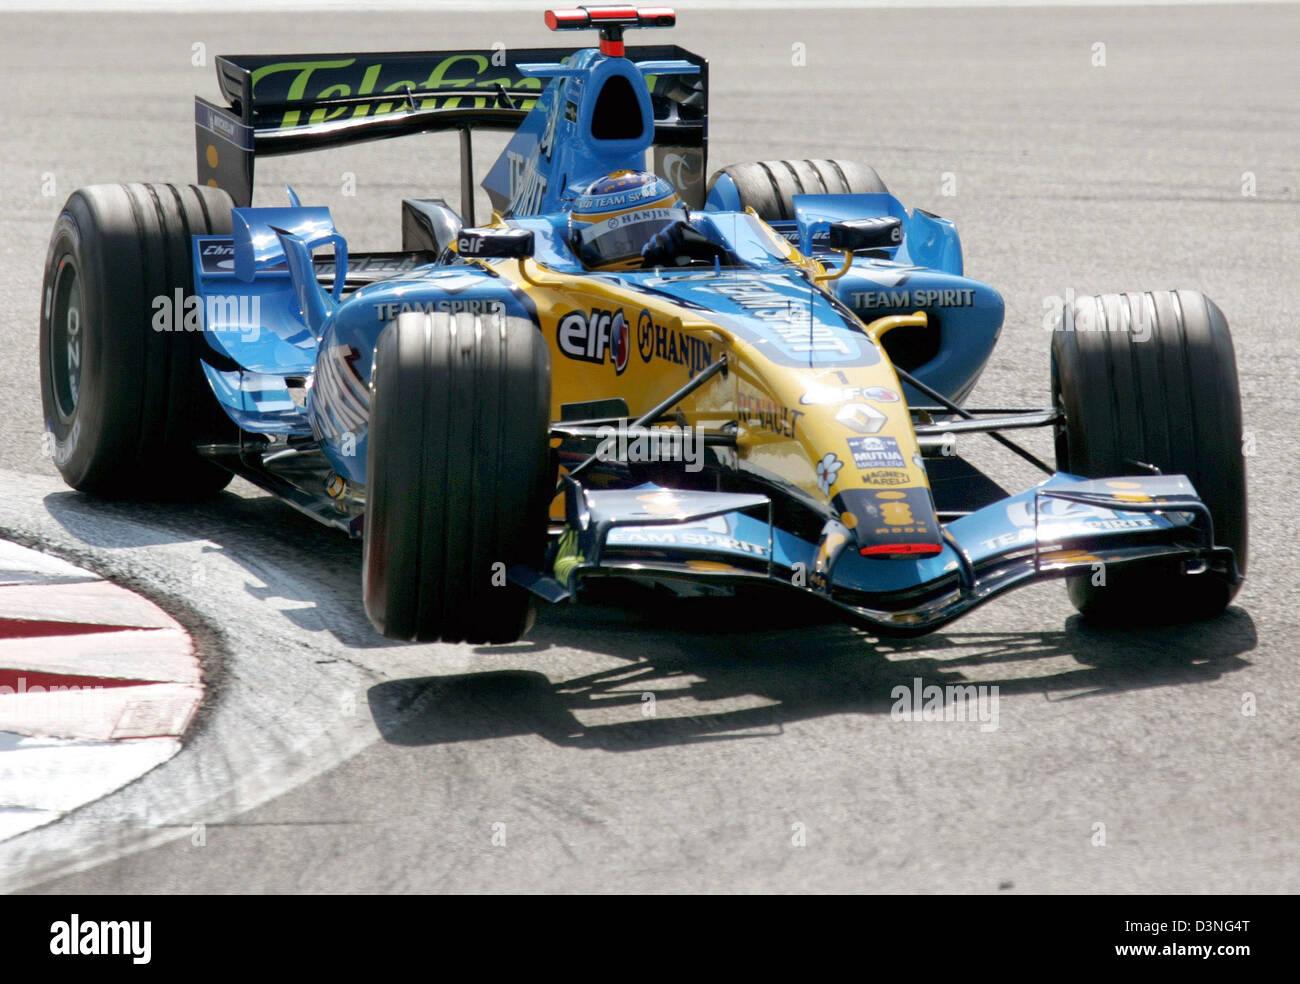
[67,338]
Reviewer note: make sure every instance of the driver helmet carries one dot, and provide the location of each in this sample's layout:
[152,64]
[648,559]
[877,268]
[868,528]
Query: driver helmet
[615,216]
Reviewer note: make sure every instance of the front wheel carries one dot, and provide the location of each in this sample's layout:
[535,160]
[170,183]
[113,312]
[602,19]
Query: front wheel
[1151,379]
[458,476]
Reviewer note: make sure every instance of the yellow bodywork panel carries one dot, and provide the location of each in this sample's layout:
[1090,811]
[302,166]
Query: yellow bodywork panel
[795,423]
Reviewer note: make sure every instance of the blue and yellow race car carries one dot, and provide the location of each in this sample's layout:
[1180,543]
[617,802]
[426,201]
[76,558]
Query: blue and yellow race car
[627,372]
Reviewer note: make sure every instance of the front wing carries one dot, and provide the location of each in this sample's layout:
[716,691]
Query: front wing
[1066,525]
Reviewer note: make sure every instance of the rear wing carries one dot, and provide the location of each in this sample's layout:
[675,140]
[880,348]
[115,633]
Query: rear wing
[289,104]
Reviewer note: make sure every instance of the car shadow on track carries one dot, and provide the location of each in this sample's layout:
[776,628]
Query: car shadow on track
[785,665]
[755,663]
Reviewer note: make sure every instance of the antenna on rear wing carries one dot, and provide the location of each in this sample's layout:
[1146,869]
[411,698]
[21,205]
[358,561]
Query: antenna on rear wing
[611,21]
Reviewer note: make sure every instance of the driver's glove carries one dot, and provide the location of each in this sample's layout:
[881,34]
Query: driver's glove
[679,244]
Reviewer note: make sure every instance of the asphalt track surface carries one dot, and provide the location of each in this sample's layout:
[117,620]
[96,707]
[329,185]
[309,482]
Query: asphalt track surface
[329,760]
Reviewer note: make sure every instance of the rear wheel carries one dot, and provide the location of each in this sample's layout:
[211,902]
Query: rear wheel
[126,403]
[768,187]
[458,476]
[1152,379]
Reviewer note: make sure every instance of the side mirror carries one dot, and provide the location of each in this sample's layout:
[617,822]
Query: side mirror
[875,233]
[495,244]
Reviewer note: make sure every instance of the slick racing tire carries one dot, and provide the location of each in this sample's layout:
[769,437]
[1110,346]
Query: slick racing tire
[768,187]
[1152,378]
[125,403]
[458,476]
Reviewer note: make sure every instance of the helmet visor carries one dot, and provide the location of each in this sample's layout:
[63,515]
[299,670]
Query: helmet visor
[622,237]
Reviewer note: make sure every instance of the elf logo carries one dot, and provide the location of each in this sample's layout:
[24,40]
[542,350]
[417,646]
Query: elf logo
[598,337]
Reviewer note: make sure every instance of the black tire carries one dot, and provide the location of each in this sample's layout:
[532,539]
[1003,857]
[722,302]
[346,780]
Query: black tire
[1169,398]
[769,186]
[458,476]
[126,404]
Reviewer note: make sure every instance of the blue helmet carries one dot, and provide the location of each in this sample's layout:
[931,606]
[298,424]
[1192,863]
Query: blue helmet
[615,216]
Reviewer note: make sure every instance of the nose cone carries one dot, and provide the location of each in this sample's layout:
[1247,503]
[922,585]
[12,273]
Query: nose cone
[890,523]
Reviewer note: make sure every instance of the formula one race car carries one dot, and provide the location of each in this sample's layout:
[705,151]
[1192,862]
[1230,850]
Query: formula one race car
[628,373]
